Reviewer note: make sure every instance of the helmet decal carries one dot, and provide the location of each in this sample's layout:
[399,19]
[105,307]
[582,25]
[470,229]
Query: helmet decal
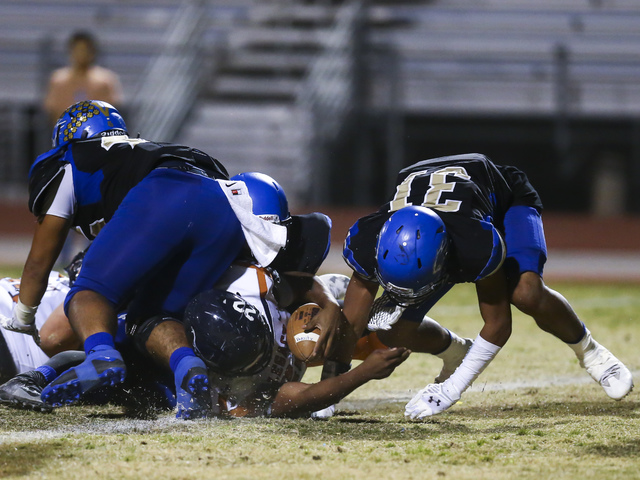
[229,334]
[87,119]
[269,200]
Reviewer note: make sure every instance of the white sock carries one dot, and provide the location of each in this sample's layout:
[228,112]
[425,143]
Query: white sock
[584,346]
[479,356]
[452,350]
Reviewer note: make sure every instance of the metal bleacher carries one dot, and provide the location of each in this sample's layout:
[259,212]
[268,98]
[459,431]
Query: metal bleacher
[453,57]
[501,56]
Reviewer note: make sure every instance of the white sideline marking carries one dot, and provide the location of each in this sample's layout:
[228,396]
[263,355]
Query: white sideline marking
[479,386]
[164,423]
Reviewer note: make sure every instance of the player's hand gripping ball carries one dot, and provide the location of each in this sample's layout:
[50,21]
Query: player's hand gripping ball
[302,343]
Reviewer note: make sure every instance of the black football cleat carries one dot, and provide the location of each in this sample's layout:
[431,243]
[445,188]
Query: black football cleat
[23,391]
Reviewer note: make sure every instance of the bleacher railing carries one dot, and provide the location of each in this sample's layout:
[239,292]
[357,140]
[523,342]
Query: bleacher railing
[329,95]
[173,80]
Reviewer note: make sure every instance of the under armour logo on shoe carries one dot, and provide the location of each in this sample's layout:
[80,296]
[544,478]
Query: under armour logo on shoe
[612,372]
[433,400]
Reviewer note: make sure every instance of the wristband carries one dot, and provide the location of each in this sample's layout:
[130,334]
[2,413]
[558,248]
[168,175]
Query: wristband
[24,314]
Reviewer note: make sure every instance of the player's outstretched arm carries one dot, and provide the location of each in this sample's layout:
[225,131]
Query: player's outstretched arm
[297,398]
[48,240]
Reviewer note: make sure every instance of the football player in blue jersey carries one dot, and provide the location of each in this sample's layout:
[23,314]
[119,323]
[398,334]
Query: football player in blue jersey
[167,231]
[463,219]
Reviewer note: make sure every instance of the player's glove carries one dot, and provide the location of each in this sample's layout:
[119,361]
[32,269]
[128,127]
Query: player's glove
[384,313]
[23,320]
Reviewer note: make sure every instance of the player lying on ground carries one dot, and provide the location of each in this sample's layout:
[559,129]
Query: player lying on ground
[464,219]
[251,379]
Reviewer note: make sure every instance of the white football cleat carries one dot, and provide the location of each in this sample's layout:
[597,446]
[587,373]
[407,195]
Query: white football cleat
[608,371]
[452,357]
[325,413]
[431,400]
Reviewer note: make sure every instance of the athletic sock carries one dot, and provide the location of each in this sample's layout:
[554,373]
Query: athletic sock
[586,345]
[98,341]
[178,355]
[49,372]
[448,352]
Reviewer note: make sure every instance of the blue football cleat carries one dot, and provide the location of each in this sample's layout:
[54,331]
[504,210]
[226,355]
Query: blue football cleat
[193,396]
[100,369]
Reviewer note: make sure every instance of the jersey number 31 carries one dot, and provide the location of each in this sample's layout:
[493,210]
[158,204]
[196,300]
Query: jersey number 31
[438,184]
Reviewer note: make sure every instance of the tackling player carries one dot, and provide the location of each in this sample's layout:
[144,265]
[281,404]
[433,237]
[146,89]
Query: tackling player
[168,230]
[464,219]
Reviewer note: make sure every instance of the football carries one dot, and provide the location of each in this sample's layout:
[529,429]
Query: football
[302,343]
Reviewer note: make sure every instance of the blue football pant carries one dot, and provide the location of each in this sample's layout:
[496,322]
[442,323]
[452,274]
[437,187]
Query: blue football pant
[173,236]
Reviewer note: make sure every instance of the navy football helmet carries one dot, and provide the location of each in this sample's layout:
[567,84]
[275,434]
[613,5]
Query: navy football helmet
[87,119]
[269,200]
[411,252]
[229,334]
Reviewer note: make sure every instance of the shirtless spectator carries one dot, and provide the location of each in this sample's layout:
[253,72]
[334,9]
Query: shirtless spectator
[82,79]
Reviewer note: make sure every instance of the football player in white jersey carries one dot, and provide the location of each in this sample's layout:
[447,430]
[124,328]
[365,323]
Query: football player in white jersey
[23,351]
[21,357]
[263,378]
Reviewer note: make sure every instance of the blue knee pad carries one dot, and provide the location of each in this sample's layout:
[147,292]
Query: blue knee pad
[526,245]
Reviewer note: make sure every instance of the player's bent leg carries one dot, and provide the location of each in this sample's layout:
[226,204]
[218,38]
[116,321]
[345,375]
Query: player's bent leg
[428,336]
[551,311]
[165,340]
[612,375]
[554,315]
[25,389]
[422,336]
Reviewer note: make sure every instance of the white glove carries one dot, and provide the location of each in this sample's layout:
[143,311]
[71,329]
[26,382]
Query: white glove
[325,413]
[23,320]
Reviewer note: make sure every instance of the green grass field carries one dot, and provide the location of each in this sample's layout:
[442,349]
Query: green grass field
[534,413]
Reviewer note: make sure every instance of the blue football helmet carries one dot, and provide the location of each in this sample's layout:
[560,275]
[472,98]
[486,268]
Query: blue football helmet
[269,200]
[229,334]
[87,119]
[411,252]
